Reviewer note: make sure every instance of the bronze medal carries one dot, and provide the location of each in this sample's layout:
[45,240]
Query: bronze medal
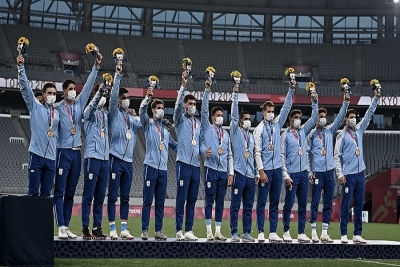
[194,142]
[128,135]
[73,130]
[102,134]
[358,152]
[323,152]
[300,152]
[246,154]
[220,150]
[271,147]
[162,146]
[50,133]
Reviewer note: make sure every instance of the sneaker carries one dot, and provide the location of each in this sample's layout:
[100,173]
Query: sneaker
[97,233]
[210,236]
[113,235]
[326,239]
[179,236]
[261,238]
[314,237]
[235,238]
[62,234]
[126,235]
[246,237]
[189,236]
[70,234]
[303,238]
[219,237]
[286,237]
[159,236]
[86,234]
[144,235]
[357,239]
[344,239]
[274,238]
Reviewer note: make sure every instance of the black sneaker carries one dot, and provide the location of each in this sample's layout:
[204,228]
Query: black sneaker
[97,233]
[86,234]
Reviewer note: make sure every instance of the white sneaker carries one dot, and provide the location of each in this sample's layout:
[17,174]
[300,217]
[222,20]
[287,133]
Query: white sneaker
[326,239]
[303,238]
[274,238]
[357,239]
[113,235]
[286,237]
[70,234]
[126,235]
[179,236]
[314,237]
[261,238]
[344,239]
[62,234]
[189,236]
[210,236]
[219,237]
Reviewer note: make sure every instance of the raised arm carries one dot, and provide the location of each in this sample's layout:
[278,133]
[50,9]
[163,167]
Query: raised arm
[286,108]
[234,114]
[114,95]
[285,175]
[87,88]
[340,117]
[25,89]
[144,117]
[230,159]
[258,146]
[338,157]
[179,110]
[363,124]
[172,144]
[310,123]
[204,110]
[91,108]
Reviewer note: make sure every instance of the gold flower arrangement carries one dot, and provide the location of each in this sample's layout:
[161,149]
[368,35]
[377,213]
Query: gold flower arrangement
[186,61]
[288,71]
[236,74]
[23,41]
[344,81]
[118,51]
[107,77]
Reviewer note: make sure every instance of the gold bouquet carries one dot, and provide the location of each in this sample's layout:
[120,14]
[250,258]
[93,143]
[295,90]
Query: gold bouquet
[22,44]
[288,71]
[310,89]
[118,55]
[376,86]
[210,74]
[153,82]
[94,50]
[292,77]
[187,66]
[236,77]
[107,78]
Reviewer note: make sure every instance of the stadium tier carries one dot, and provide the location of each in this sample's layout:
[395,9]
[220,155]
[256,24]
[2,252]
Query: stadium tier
[378,151]
[261,63]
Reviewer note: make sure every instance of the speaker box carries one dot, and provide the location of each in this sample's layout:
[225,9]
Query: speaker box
[26,231]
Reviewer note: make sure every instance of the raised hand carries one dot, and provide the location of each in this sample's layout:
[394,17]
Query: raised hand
[208,84]
[98,60]
[118,68]
[150,92]
[184,78]
[20,60]
[347,96]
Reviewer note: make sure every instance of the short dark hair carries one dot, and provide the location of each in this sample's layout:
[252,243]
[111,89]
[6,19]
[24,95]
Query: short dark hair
[215,109]
[322,110]
[267,104]
[122,91]
[66,83]
[48,85]
[155,102]
[294,112]
[96,88]
[244,112]
[350,111]
[188,97]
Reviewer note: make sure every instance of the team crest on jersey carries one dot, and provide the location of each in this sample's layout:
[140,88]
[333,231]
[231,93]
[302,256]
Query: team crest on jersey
[60,171]
[181,182]
[148,183]
[235,191]
[113,176]
[90,176]
[209,184]
[346,190]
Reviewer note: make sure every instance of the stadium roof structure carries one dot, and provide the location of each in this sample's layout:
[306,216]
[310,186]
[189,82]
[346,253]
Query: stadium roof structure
[287,7]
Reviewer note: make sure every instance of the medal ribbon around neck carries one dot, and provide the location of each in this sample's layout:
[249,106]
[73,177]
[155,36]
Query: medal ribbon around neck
[160,131]
[51,117]
[321,139]
[296,137]
[220,134]
[71,112]
[194,128]
[355,139]
[127,121]
[270,134]
[101,117]
[246,139]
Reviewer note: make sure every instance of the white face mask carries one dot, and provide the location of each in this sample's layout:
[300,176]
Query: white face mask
[159,113]
[71,95]
[125,103]
[352,122]
[102,101]
[270,116]
[296,123]
[246,124]
[322,122]
[219,121]
[50,99]
[191,110]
